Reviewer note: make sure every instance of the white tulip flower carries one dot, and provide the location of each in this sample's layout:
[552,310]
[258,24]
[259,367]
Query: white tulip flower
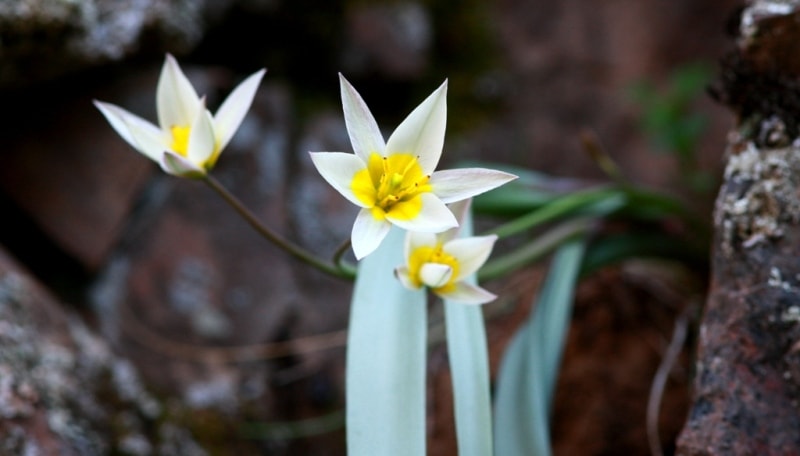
[188,139]
[394,181]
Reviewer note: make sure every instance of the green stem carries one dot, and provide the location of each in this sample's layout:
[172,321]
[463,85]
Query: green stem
[289,247]
[338,259]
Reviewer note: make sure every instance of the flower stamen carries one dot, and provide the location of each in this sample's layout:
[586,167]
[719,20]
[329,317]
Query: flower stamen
[395,184]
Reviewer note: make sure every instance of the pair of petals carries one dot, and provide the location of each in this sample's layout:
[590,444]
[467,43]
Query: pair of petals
[179,106]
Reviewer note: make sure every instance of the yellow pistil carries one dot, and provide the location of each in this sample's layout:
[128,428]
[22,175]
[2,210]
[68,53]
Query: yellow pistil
[428,254]
[180,139]
[392,186]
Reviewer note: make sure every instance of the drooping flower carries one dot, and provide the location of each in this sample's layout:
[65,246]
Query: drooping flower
[394,181]
[442,262]
[188,139]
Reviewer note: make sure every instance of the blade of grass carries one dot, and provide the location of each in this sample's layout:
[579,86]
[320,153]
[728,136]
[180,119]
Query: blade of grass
[529,368]
[386,359]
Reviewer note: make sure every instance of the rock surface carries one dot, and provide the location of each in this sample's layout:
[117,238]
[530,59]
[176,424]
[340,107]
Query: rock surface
[746,390]
[45,39]
[63,391]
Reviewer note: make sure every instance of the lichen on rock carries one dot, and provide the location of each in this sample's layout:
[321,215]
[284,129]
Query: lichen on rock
[762,195]
[62,390]
[45,39]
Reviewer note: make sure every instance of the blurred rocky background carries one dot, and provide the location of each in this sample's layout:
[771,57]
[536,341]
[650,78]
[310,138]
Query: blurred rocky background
[140,315]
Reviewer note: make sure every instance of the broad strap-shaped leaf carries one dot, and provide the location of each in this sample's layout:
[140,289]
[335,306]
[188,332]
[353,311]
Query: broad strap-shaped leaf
[528,371]
[469,365]
[386,359]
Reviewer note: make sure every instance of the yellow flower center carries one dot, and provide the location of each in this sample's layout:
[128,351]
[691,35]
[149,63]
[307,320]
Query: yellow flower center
[392,186]
[180,139]
[180,144]
[427,254]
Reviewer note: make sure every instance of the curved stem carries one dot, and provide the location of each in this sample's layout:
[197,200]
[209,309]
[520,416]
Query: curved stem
[338,259]
[289,247]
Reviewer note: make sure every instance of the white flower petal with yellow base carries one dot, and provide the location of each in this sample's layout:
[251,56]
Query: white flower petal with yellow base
[432,216]
[177,102]
[188,140]
[339,170]
[202,144]
[422,132]
[395,181]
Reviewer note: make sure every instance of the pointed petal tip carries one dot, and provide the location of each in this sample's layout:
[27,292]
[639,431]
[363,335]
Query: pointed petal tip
[170,58]
[468,294]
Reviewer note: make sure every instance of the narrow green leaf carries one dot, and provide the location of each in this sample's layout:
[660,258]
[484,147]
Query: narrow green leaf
[528,371]
[531,251]
[469,366]
[601,200]
[386,359]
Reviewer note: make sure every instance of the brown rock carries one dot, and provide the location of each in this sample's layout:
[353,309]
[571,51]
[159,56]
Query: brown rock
[746,386]
[746,389]
[70,172]
[62,391]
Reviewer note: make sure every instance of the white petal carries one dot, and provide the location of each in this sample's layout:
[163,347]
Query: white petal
[457,184]
[404,277]
[174,164]
[460,210]
[368,232]
[417,239]
[434,217]
[471,253]
[202,143]
[139,133]
[176,100]
[435,275]
[364,133]
[466,293]
[338,169]
[422,132]
[232,111]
